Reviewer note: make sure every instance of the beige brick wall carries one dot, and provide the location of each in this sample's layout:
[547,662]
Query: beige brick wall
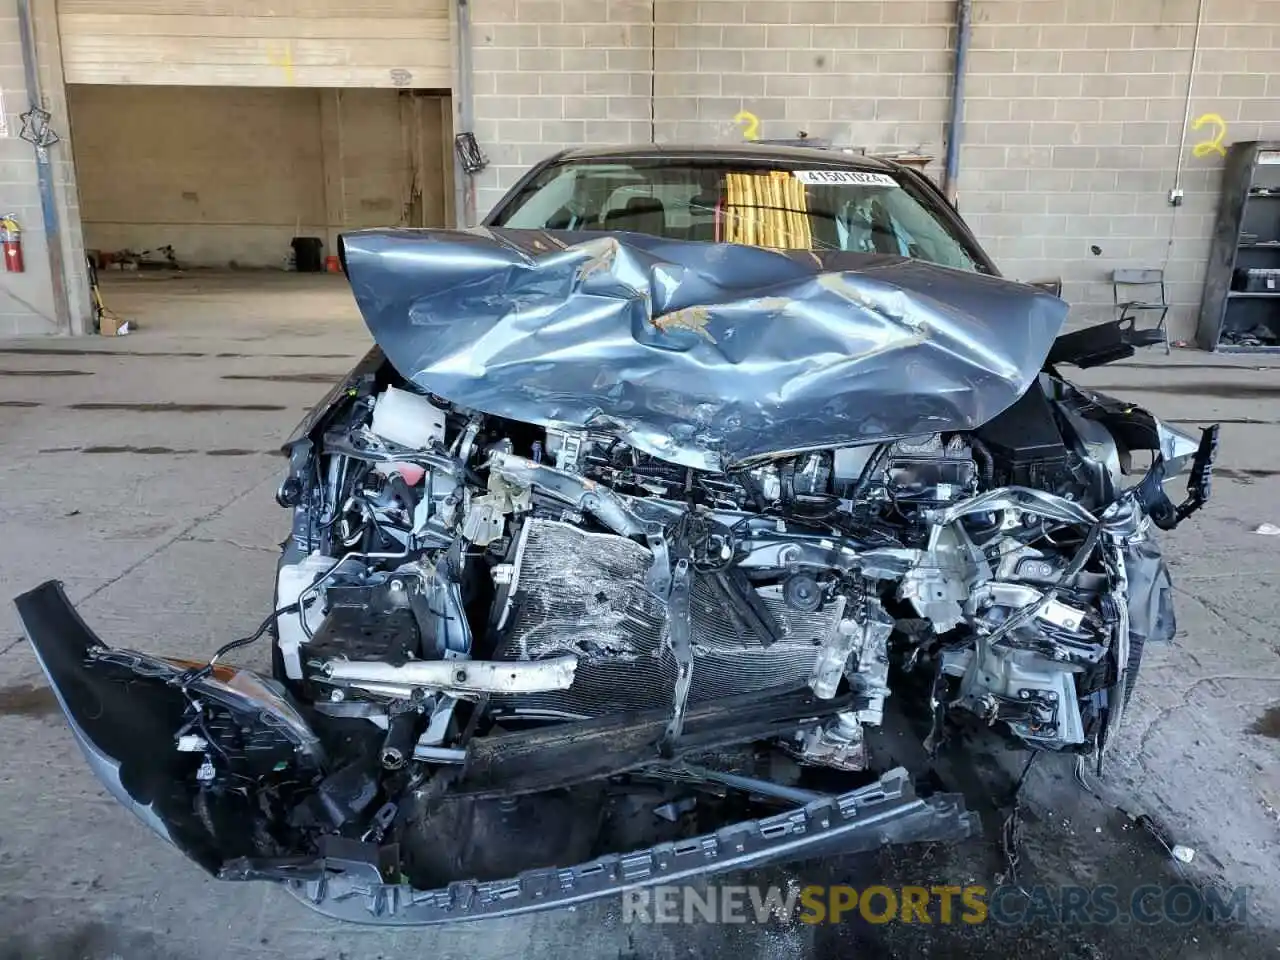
[556,73]
[872,74]
[1084,101]
[1073,125]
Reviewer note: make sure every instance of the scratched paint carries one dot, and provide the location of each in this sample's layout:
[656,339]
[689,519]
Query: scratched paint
[1213,136]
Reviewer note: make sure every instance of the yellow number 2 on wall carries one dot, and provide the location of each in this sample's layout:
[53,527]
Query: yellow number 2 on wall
[1214,143]
[750,124]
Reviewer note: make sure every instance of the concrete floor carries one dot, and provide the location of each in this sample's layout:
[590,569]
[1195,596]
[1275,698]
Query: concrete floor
[140,471]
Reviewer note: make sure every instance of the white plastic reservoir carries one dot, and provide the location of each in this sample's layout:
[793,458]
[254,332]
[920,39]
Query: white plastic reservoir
[408,419]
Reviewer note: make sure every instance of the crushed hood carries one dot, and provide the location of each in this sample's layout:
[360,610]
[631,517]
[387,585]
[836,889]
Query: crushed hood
[700,354]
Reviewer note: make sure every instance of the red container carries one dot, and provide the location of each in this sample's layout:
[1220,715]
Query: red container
[12,250]
[332,265]
[11,245]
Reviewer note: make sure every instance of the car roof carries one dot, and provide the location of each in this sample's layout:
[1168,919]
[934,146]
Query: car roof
[777,153]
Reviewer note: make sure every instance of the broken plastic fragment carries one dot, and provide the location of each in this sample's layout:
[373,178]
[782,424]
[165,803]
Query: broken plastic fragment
[1267,530]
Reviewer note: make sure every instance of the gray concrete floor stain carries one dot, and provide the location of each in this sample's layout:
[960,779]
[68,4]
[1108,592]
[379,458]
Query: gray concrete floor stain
[284,377]
[1245,476]
[27,700]
[168,406]
[1268,725]
[1222,389]
[173,553]
[46,373]
[160,451]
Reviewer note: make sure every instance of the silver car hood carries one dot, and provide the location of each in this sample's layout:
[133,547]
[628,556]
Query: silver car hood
[701,354]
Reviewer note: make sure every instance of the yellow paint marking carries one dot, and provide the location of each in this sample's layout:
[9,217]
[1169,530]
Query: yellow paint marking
[284,61]
[1214,143]
[750,124]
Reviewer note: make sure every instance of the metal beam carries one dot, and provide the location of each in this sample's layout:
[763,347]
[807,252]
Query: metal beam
[44,174]
[465,183]
[955,130]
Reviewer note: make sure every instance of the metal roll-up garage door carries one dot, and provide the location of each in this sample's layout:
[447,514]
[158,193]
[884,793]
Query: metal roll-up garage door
[302,43]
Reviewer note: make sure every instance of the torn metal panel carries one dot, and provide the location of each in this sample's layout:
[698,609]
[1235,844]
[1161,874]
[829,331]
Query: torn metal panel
[1151,612]
[701,354]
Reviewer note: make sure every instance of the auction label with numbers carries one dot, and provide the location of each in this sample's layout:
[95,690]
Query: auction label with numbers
[858,178]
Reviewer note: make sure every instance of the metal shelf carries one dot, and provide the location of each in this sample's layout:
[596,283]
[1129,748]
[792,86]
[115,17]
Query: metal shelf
[1242,234]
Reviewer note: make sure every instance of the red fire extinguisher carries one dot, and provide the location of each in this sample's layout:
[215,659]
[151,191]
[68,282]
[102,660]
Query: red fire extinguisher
[11,244]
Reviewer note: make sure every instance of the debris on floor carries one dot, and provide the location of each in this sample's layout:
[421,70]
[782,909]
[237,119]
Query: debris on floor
[1183,854]
[161,258]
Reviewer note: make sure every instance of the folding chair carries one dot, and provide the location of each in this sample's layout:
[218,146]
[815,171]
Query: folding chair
[1139,286]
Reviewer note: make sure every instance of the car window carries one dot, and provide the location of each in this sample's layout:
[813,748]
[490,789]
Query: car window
[735,202]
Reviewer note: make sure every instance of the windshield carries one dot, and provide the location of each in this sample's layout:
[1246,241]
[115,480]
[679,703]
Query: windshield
[739,202]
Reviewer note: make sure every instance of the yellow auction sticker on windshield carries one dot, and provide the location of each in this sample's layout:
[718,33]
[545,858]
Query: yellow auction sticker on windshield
[857,178]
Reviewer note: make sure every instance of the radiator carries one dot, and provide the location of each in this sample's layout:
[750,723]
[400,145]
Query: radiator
[584,593]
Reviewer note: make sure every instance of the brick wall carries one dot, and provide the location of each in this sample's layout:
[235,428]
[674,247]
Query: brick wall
[1073,124]
[872,74]
[1074,131]
[557,73]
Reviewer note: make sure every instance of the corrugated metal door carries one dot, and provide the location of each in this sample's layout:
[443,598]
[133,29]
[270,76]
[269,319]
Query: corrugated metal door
[302,43]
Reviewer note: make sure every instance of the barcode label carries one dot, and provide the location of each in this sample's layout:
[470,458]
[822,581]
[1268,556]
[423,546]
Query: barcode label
[858,178]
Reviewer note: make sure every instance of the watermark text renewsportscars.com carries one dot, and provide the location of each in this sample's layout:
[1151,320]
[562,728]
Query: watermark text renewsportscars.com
[1103,904]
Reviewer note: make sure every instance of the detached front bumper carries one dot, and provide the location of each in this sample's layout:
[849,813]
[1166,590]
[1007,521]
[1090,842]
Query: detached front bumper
[125,710]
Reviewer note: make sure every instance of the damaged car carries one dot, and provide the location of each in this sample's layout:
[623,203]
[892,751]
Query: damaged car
[606,560]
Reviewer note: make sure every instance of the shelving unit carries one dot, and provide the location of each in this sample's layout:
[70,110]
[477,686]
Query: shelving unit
[1246,237]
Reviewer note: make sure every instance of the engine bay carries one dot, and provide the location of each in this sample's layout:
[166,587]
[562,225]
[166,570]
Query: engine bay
[454,572]
[502,649]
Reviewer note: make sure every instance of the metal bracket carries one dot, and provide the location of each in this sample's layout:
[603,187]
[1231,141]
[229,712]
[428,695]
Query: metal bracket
[1151,494]
[681,635]
[470,156]
[36,129]
[658,579]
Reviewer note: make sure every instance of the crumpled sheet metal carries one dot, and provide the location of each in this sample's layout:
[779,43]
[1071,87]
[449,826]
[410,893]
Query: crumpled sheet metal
[701,354]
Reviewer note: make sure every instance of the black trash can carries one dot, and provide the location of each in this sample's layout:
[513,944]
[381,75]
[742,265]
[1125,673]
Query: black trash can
[308,254]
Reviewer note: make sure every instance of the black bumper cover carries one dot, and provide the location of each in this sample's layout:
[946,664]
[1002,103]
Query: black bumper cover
[124,715]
